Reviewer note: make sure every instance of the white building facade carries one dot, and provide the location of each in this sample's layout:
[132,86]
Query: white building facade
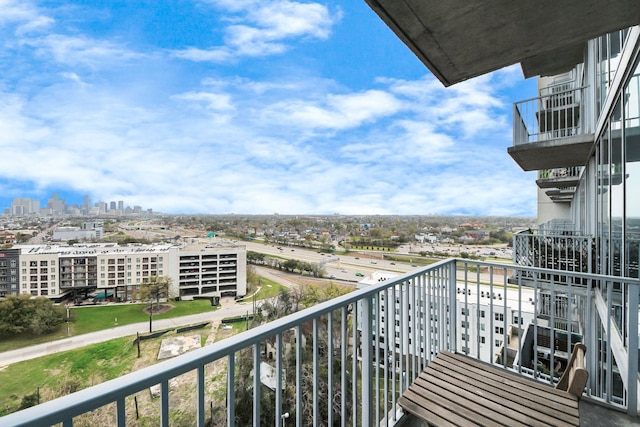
[59,272]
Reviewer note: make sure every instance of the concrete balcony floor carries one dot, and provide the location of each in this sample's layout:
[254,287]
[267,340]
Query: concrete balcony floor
[591,415]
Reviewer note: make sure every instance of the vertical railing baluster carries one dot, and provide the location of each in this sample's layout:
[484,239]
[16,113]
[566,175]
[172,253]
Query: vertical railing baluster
[453,306]
[354,366]
[391,322]
[367,363]
[330,391]
[299,390]
[610,317]
[121,414]
[231,390]
[200,384]
[343,366]
[387,356]
[279,356]
[316,374]
[164,403]
[632,353]
[256,385]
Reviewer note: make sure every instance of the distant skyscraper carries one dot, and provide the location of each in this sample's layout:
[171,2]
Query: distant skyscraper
[21,206]
[121,205]
[112,206]
[55,205]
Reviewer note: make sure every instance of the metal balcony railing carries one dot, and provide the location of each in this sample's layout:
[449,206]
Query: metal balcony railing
[559,113]
[347,361]
[554,249]
[560,173]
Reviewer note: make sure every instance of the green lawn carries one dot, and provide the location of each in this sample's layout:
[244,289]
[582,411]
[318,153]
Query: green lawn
[62,373]
[269,290]
[95,318]
[91,319]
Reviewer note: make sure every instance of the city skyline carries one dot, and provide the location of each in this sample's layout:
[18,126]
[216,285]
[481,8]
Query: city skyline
[56,205]
[248,107]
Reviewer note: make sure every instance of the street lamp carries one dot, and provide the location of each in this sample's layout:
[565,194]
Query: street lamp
[284,417]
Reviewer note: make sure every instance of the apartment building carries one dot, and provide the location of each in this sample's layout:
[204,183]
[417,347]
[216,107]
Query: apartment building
[486,314]
[61,272]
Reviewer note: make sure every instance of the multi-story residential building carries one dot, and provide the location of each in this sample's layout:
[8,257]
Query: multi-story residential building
[60,272]
[582,132]
[9,262]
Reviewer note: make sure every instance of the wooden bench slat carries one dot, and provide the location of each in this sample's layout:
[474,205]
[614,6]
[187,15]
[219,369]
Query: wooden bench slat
[456,390]
[511,376]
[433,410]
[494,384]
[482,401]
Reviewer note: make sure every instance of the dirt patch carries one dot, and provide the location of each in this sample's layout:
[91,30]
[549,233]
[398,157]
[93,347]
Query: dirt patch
[158,309]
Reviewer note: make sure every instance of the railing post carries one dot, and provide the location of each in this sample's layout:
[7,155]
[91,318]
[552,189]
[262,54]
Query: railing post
[453,309]
[256,384]
[200,384]
[231,391]
[632,351]
[367,362]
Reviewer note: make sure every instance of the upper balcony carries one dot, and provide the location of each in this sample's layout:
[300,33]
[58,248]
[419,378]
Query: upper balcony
[552,130]
[347,361]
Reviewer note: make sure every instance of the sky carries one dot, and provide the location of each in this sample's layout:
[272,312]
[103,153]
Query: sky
[246,107]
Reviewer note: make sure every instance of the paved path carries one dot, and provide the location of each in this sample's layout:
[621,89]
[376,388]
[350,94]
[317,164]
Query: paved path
[228,309]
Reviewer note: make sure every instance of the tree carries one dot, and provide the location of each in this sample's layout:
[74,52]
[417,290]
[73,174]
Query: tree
[154,287]
[23,314]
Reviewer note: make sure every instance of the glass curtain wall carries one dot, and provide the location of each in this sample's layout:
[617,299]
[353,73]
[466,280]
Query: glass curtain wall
[632,171]
[608,50]
[618,184]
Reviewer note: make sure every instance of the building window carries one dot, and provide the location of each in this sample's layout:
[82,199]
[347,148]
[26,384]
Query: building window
[481,340]
[498,343]
[499,330]
[464,324]
[499,317]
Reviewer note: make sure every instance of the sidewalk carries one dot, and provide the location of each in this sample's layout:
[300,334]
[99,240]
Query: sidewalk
[26,353]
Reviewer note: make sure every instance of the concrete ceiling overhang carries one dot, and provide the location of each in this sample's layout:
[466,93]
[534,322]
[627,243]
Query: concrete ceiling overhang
[458,40]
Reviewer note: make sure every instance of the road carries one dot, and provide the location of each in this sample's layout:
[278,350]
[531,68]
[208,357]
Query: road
[228,309]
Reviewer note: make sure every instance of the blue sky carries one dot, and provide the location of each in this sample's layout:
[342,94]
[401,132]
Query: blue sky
[246,106]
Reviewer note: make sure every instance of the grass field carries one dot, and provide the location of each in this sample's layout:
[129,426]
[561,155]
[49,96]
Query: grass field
[95,318]
[46,378]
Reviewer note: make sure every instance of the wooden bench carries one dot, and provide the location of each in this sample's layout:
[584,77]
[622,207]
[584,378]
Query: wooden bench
[456,390]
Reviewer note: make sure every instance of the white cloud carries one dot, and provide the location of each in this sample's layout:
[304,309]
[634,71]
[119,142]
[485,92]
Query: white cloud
[335,111]
[212,101]
[24,15]
[80,50]
[262,28]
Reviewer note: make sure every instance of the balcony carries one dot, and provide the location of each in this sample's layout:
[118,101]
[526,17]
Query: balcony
[348,360]
[552,130]
[554,249]
[560,183]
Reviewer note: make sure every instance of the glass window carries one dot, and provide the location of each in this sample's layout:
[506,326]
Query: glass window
[632,172]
